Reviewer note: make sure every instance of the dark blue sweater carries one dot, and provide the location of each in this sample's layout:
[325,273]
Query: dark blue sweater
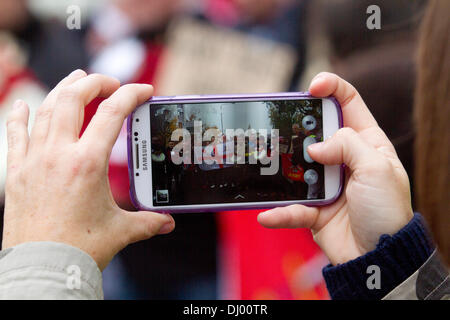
[397,256]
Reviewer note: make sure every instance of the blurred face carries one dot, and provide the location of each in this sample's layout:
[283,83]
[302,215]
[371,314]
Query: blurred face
[296,129]
[13,14]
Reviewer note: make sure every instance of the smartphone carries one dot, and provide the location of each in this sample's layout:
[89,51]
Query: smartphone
[208,153]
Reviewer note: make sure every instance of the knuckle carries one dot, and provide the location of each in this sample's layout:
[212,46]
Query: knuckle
[12,121]
[91,164]
[85,161]
[385,165]
[96,77]
[110,108]
[75,167]
[130,90]
[13,173]
[149,228]
[68,93]
[49,162]
[12,139]
[380,166]
[43,113]
[345,133]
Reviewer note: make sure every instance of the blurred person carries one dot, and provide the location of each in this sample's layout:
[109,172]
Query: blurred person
[380,63]
[431,117]
[123,18]
[52,50]
[281,21]
[278,20]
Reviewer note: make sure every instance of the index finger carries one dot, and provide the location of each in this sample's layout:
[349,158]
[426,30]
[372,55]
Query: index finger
[104,128]
[70,102]
[355,112]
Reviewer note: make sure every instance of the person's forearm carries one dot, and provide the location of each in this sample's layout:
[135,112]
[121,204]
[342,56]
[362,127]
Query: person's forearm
[48,270]
[396,257]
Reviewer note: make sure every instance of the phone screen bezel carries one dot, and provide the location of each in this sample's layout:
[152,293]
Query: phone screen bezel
[140,179]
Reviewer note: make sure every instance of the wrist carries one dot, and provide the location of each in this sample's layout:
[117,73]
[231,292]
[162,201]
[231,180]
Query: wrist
[397,257]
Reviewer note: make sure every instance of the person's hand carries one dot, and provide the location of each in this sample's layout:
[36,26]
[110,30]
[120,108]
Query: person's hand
[376,199]
[57,185]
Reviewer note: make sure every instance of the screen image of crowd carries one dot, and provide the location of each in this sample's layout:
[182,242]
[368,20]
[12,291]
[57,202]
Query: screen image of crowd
[237,177]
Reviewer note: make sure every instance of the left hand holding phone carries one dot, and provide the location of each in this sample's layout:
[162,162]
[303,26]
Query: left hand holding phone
[57,185]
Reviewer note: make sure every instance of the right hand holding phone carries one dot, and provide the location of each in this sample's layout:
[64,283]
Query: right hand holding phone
[376,198]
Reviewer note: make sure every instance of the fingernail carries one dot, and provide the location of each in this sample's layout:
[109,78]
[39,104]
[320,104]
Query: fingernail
[266,213]
[18,104]
[77,73]
[316,80]
[316,147]
[149,86]
[166,228]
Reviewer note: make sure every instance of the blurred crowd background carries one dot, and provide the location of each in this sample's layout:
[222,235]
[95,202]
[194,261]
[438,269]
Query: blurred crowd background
[214,46]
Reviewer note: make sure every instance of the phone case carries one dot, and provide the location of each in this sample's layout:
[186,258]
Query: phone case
[228,97]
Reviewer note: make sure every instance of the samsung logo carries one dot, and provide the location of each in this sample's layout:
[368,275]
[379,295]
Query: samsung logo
[144,155]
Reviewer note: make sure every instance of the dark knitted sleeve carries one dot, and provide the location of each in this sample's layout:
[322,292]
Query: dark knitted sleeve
[398,257]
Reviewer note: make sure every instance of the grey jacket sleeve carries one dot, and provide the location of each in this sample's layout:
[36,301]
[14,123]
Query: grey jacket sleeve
[48,270]
[430,282]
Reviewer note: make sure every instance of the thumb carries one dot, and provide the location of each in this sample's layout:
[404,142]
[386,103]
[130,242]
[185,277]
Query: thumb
[345,146]
[143,225]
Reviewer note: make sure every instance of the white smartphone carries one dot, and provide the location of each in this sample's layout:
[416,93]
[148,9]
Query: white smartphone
[230,152]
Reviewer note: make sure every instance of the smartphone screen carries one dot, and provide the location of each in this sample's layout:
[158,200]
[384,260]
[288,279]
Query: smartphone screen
[235,152]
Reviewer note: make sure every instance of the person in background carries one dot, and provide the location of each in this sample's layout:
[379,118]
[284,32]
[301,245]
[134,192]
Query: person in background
[281,21]
[431,117]
[380,63]
[52,50]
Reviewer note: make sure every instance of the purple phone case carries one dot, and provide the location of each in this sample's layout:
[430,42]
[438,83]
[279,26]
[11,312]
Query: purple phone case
[211,98]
